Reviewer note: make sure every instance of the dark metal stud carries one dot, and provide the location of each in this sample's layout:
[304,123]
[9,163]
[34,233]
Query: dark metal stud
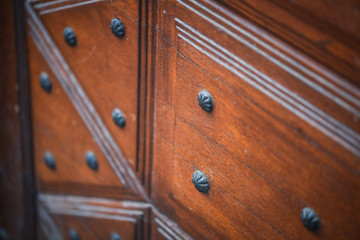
[3,234]
[91,160]
[45,82]
[49,160]
[118,118]
[73,235]
[115,236]
[117,27]
[310,219]
[201,182]
[70,37]
[205,100]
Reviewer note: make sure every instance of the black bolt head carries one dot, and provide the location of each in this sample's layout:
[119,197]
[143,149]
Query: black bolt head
[45,82]
[205,100]
[310,219]
[91,160]
[73,235]
[115,236]
[49,161]
[200,181]
[117,27]
[118,118]
[70,37]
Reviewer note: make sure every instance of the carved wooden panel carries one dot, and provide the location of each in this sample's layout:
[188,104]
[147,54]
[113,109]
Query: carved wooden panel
[284,132]
[82,84]
[105,66]
[74,89]
[92,218]
[59,130]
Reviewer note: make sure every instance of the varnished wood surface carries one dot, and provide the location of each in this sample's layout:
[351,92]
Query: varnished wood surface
[284,133]
[326,31]
[59,129]
[92,218]
[120,85]
[264,154]
[105,66]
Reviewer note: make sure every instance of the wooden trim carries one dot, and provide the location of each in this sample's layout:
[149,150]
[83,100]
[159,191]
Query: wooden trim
[29,191]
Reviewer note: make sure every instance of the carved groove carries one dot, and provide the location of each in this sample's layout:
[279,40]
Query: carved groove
[79,206]
[47,225]
[105,209]
[342,96]
[168,229]
[292,102]
[54,6]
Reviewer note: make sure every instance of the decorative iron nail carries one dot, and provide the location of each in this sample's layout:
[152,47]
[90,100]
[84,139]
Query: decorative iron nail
[91,160]
[206,101]
[200,181]
[118,118]
[117,27]
[45,82]
[74,235]
[3,234]
[310,219]
[115,236]
[70,37]
[49,160]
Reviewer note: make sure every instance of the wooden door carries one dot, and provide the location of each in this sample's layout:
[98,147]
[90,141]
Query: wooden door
[91,120]
[195,119]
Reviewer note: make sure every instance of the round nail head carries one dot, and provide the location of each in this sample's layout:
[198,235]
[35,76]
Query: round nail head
[310,219]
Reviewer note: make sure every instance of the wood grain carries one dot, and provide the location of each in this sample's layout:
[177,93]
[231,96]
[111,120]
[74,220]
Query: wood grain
[82,103]
[328,32]
[59,129]
[264,159]
[105,66]
[284,133]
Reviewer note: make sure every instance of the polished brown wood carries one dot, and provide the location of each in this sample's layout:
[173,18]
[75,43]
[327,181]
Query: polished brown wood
[92,218]
[105,66]
[59,129]
[328,32]
[283,134]
[269,147]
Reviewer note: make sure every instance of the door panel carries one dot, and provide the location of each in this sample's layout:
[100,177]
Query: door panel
[281,135]
[59,130]
[182,119]
[105,65]
[62,217]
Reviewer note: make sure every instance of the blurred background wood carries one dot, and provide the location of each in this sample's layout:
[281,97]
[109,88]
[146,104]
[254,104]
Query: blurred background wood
[17,207]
